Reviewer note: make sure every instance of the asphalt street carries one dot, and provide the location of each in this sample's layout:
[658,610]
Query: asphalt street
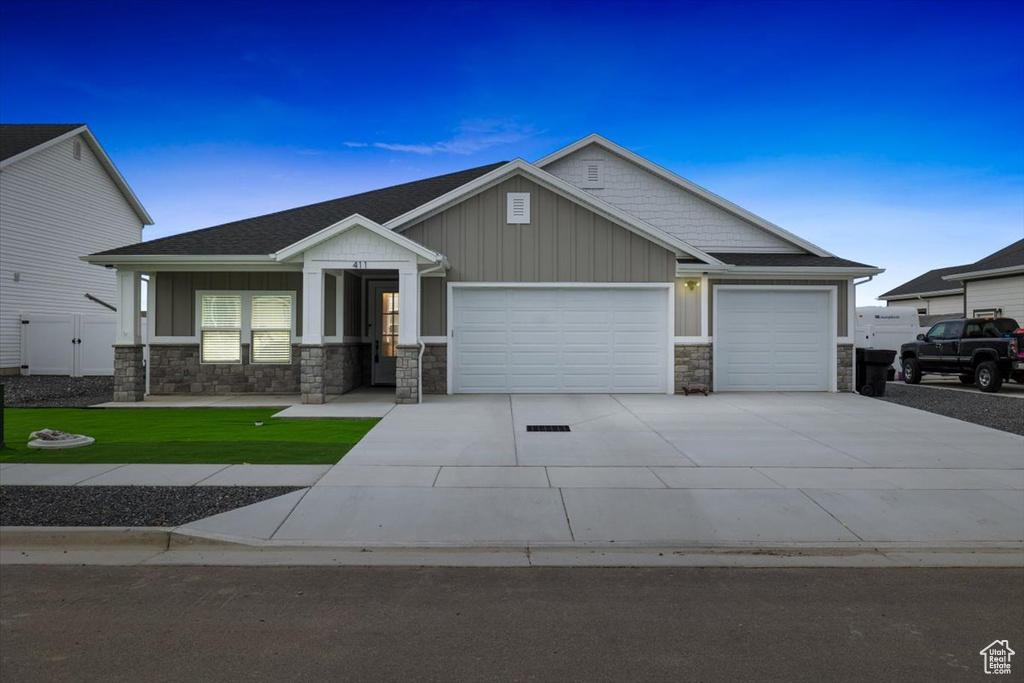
[417,624]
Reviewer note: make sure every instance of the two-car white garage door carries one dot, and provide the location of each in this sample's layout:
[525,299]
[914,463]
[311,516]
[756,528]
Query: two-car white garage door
[560,340]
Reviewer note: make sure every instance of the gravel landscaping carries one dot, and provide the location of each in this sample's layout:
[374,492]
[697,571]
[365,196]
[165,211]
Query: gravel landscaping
[1005,413]
[42,391]
[125,505]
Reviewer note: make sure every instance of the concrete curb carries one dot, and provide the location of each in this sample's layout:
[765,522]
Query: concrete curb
[84,537]
[160,545]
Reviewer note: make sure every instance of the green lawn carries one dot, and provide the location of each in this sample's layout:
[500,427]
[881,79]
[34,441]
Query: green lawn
[164,435]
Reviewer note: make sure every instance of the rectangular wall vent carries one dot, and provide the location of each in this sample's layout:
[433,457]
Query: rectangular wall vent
[518,208]
[593,173]
[76,149]
[547,428]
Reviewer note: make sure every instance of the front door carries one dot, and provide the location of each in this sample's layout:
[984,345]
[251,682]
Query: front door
[384,329]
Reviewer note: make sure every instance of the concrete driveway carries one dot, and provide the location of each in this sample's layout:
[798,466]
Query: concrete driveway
[765,469]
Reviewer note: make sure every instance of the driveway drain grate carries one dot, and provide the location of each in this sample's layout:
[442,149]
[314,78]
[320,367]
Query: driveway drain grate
[547,428]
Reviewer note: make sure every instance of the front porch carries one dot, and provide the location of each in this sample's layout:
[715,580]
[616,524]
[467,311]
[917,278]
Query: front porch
[326,316]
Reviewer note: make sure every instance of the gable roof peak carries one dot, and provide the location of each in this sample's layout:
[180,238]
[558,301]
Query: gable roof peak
[684,184]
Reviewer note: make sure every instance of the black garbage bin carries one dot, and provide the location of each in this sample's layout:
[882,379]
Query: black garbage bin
[873,370]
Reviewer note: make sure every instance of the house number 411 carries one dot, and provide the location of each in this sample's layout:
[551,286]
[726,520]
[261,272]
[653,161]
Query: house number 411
[359,264]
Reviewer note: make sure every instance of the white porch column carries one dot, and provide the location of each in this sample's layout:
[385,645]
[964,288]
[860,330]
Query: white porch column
[408,305]
[129,363]
[129,301]
[313,306]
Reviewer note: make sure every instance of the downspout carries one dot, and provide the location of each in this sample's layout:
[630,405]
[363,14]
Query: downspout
[419,340]
[853,332]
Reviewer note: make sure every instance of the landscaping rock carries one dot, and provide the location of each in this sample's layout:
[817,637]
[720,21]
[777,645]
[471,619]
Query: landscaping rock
[125,505]
[42,391]
[998,412]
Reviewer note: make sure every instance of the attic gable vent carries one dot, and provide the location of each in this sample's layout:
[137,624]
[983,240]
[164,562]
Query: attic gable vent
[518,208]
[593,173]
[76,149]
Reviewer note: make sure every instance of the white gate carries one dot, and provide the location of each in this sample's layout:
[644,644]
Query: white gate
[74,344]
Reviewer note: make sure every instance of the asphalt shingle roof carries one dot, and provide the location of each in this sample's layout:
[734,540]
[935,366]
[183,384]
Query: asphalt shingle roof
[272,232]
[16,138]
[929,282]
[788,260]
[1007,257]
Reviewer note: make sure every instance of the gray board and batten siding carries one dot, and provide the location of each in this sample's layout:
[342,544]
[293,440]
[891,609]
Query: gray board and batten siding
[564,242]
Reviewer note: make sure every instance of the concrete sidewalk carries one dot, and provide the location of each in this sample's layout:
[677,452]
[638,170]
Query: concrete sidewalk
[47,474]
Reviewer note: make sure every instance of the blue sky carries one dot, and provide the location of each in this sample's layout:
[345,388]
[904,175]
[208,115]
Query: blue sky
[886,132]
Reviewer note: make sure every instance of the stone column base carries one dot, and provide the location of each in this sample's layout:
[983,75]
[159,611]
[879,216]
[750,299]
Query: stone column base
[407,374]
[693,366]
[129,373]
[844,367]
[311,373]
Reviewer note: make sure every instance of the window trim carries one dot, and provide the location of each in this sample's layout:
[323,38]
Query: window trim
[245,333]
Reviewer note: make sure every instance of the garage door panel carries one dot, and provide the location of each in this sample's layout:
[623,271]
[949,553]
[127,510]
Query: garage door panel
[772,340]
[561,340]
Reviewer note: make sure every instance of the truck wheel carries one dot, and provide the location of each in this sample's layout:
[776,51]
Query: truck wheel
[911,371]
[967,379]
[987,377]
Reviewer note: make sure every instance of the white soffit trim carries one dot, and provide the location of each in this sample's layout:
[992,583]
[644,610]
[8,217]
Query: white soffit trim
[995,272]
[559,186]
[355,221]
[105,161]
[684,184]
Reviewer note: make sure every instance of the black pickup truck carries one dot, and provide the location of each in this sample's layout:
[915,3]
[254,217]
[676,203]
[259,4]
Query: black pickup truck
[982,351]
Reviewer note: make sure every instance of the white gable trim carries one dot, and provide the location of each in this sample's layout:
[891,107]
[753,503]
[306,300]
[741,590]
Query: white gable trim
[104,160]
[559,186]
[977,274]
[355,221]
[684,184]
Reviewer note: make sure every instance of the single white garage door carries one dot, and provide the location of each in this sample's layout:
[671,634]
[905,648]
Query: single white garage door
[772,340]
[559,340]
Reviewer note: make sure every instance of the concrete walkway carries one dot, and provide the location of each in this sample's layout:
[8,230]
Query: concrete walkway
[765,470]
[361,403]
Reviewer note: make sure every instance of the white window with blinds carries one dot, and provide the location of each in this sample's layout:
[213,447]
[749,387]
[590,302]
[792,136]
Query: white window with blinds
[271,328]
[220,328]
[264,320]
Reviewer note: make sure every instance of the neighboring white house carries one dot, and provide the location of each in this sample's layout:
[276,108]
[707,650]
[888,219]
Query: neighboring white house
[992,286]
[929,293]
[60,197]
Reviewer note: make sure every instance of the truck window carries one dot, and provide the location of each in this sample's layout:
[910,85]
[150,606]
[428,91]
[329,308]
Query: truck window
[938,331]
[953,329]
[973,331]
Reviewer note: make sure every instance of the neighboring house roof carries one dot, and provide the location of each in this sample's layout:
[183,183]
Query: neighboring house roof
[274,232]
[686,185]
[931,284]
[1007,261]
[17,138]
[21,140]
